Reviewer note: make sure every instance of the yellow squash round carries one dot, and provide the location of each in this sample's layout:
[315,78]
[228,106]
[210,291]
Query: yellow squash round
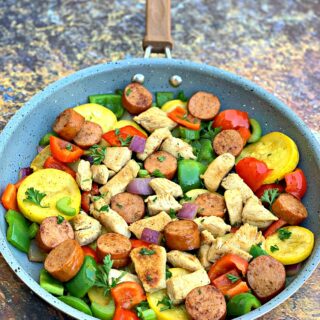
[172,104]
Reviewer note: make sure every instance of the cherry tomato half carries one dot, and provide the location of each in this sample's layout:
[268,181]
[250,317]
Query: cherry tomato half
[259,193]
[296,183]
[231,119]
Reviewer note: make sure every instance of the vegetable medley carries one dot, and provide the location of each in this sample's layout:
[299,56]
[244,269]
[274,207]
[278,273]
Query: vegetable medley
[181,212]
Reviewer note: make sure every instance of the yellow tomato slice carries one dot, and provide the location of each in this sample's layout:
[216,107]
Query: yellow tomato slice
[97,114]
[295,249]
[171,105]
[277,151]
[56,184]
[123,123]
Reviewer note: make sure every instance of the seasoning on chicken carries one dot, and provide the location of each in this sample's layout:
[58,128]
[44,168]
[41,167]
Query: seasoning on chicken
[84,175]
[162,186]
[177,147]
[117,157]
[164,202]
[100,173]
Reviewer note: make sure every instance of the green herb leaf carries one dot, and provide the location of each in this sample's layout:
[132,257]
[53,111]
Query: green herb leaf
[142,306]
[97,153]
[166,302]
[186,198]
[181,96]
[149,278]
[69,147]
[269,196]
[172,214]
[154,199]
[157,173]
[60,219]
[232,278]
[117,131]
[168,273]
[100,196]
[180,157]
[161,158]
[208,132]
[105,208]
[35,197]
[274,248]
[125,142]
[147,252]
[284,234]
[128,92]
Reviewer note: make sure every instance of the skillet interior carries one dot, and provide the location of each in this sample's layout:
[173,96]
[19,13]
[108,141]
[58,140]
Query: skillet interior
[20,137]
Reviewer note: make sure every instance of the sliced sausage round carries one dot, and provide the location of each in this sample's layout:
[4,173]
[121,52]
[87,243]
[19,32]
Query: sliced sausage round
[51,233]
[130,206]
[266,277]
[89,135]
[289,208]
[211,204]
[182,235]
[120,263]
[206,303]
[228,141]
[68,124]
[204,105]
[161,162]
[117,245]
[65,260]
[136,98]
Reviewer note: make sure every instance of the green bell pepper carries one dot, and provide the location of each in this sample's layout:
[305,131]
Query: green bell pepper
[256,131]
[48,283]
[45,140]
[206,153]
[63,206]
[84,279]
[176,132]
[103,312]
[189,134]
[189,172]
[111,101]
[33,229]
[148,314]
[163,97]
[242,303]
[18,230]
[76,303]
[257,251]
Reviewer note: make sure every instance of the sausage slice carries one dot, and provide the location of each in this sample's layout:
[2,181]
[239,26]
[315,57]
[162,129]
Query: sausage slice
[211,204]
[136,98]
[89,135]
[228,141]
[206,303]
[204,105]
[51,234]
[290,209]
[266,277]
[130,206]
[65,260]
[163,162]
[68,124]
[182,235]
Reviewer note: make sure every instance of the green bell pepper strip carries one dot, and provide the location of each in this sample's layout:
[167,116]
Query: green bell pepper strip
[76,303]
[189,134]
[111,101]
[256,131]
[18,230]
[103,312]
[181,96]
[33,229]
[257,251]
[242,303]
[84,279]
[189,172]
[45,140]
[206,153]
[176,132]
[48,283]
[148,314]
[63,205]
[163,97]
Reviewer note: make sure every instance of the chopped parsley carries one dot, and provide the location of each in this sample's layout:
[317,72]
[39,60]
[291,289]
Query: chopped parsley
[269,196]
[181,96]
[208,132]
[186,198]
[166,302]
[117,131]
[284,234]
[35,196]
[85,180]
[232,278]
[147,252]
[274,248]
[128,92]
[157,173]
[125,142]
[149,278]
[96,198]
[172,213]
[161,158]
[142,306]
[60,219]
[168,273]
[104,208]
[154,199]
[97,153]
[69,147]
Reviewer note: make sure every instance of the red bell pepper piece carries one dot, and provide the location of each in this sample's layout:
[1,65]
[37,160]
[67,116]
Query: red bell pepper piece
[85,201]
[136,243]
[53,163]
[64,151]
[124,314]
[245,134]
[88,251]
[9,197]
[259,193]
[231,119]
[240,287]
[181,116]
[296,183]
[274,227]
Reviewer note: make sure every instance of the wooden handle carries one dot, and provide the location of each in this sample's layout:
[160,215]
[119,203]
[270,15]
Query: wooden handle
[158,25]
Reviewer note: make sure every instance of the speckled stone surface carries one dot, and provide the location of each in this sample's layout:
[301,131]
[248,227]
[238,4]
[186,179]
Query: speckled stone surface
[273,43]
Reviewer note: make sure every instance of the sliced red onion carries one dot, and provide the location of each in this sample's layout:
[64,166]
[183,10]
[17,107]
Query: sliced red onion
[88,158]
[137,144]
[140,186]
[23,172]
[293,269]
[40,148]
[150,235]
[188,211]
[35,254]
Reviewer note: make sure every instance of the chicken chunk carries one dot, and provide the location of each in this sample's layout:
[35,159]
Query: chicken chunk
[153,142]
[84,175]
[160,203]
[100,173]
[127,276]
[178,147]
[154,118]
[217,170]
[215,225]
[206,239]
[184,260]
[233,199]
[162,186]
[117,157]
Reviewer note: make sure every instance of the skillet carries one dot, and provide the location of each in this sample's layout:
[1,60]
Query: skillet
[19,139]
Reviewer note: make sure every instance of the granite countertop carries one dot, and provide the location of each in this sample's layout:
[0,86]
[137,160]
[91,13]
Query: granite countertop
[273,43]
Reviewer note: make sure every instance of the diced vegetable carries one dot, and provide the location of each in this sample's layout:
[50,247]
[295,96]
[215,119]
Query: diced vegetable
[151,236]
[293,269]
[205,153]
[88,251]
[76,303]
[192,195]
[245,134]
[64,151]
[23,172]
[35,254]
[124,314]
[45,140]
[242,304]
[136,243]
[143,173]
[140,186]
[181,116]
[63,205]
[296,183]
[163,97]
[148,314]
[171,105]
[257,251]
[9,197]
[256,131]
[33,229]
[110,101]
[38,162]
[50,284]
[96,294]
[125,123]
[274,227]
[52,163]
[137,144]
[231,119]
[260,192]
[188,211]
[189,134]
[189,172]
[103,312]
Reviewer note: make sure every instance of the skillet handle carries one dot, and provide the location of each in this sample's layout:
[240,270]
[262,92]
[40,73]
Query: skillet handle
[158,26]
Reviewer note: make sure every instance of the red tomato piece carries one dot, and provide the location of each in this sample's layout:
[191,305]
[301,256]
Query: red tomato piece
[136,243]
[231,119]
[53,163]
[296,183]
[88,251]
[64,151]
[123,314]
[245,134]
[259,193]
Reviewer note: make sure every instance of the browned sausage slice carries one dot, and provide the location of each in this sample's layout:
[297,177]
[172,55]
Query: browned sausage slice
[51,234]
[117,245]
[206,303]
[211,204]
[182,235]
[228,141]
[290,209]
[136,98]
[68,124]
[204,105]
[65,260]
[163,162]
[89,135]
[266,277]
[130,206]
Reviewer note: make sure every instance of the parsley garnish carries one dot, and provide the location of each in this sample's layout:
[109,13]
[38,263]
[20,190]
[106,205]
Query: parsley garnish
[180,157]
[161,158]
[69,147]
[274,248]
[168,273]
[35,197]
[96,198]
[125,142]
[166,302]
[149,278]
[181,96]
[117,131]
[154,199]
[97,153]
[172,213]
[60,219]
[142,306]
[104,208]
[269,196]
[232,278]
[147,252]
[284,234]
[209,132]
[157,173]
[128,92]
[186,198]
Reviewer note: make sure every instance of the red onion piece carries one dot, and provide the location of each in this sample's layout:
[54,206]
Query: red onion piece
[151,236]
[40,148]
[188,211]
[140,186]
[88,158]
[23,172]
[137,144]
[293,269]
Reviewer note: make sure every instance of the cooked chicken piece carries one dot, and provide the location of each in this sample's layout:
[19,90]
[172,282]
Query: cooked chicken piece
[84,175]
[217,170]
[184,260]
[162,186]
[203,256]
[178,148]
[215,225]
[120,181]
[117,157]
[179,287]
[115,273]
[156,223]
[99,201]
[160,203]
[111,173]
[154,118]
[150,266]
[206,237]
[233,199]
[100,173]
[153,142]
